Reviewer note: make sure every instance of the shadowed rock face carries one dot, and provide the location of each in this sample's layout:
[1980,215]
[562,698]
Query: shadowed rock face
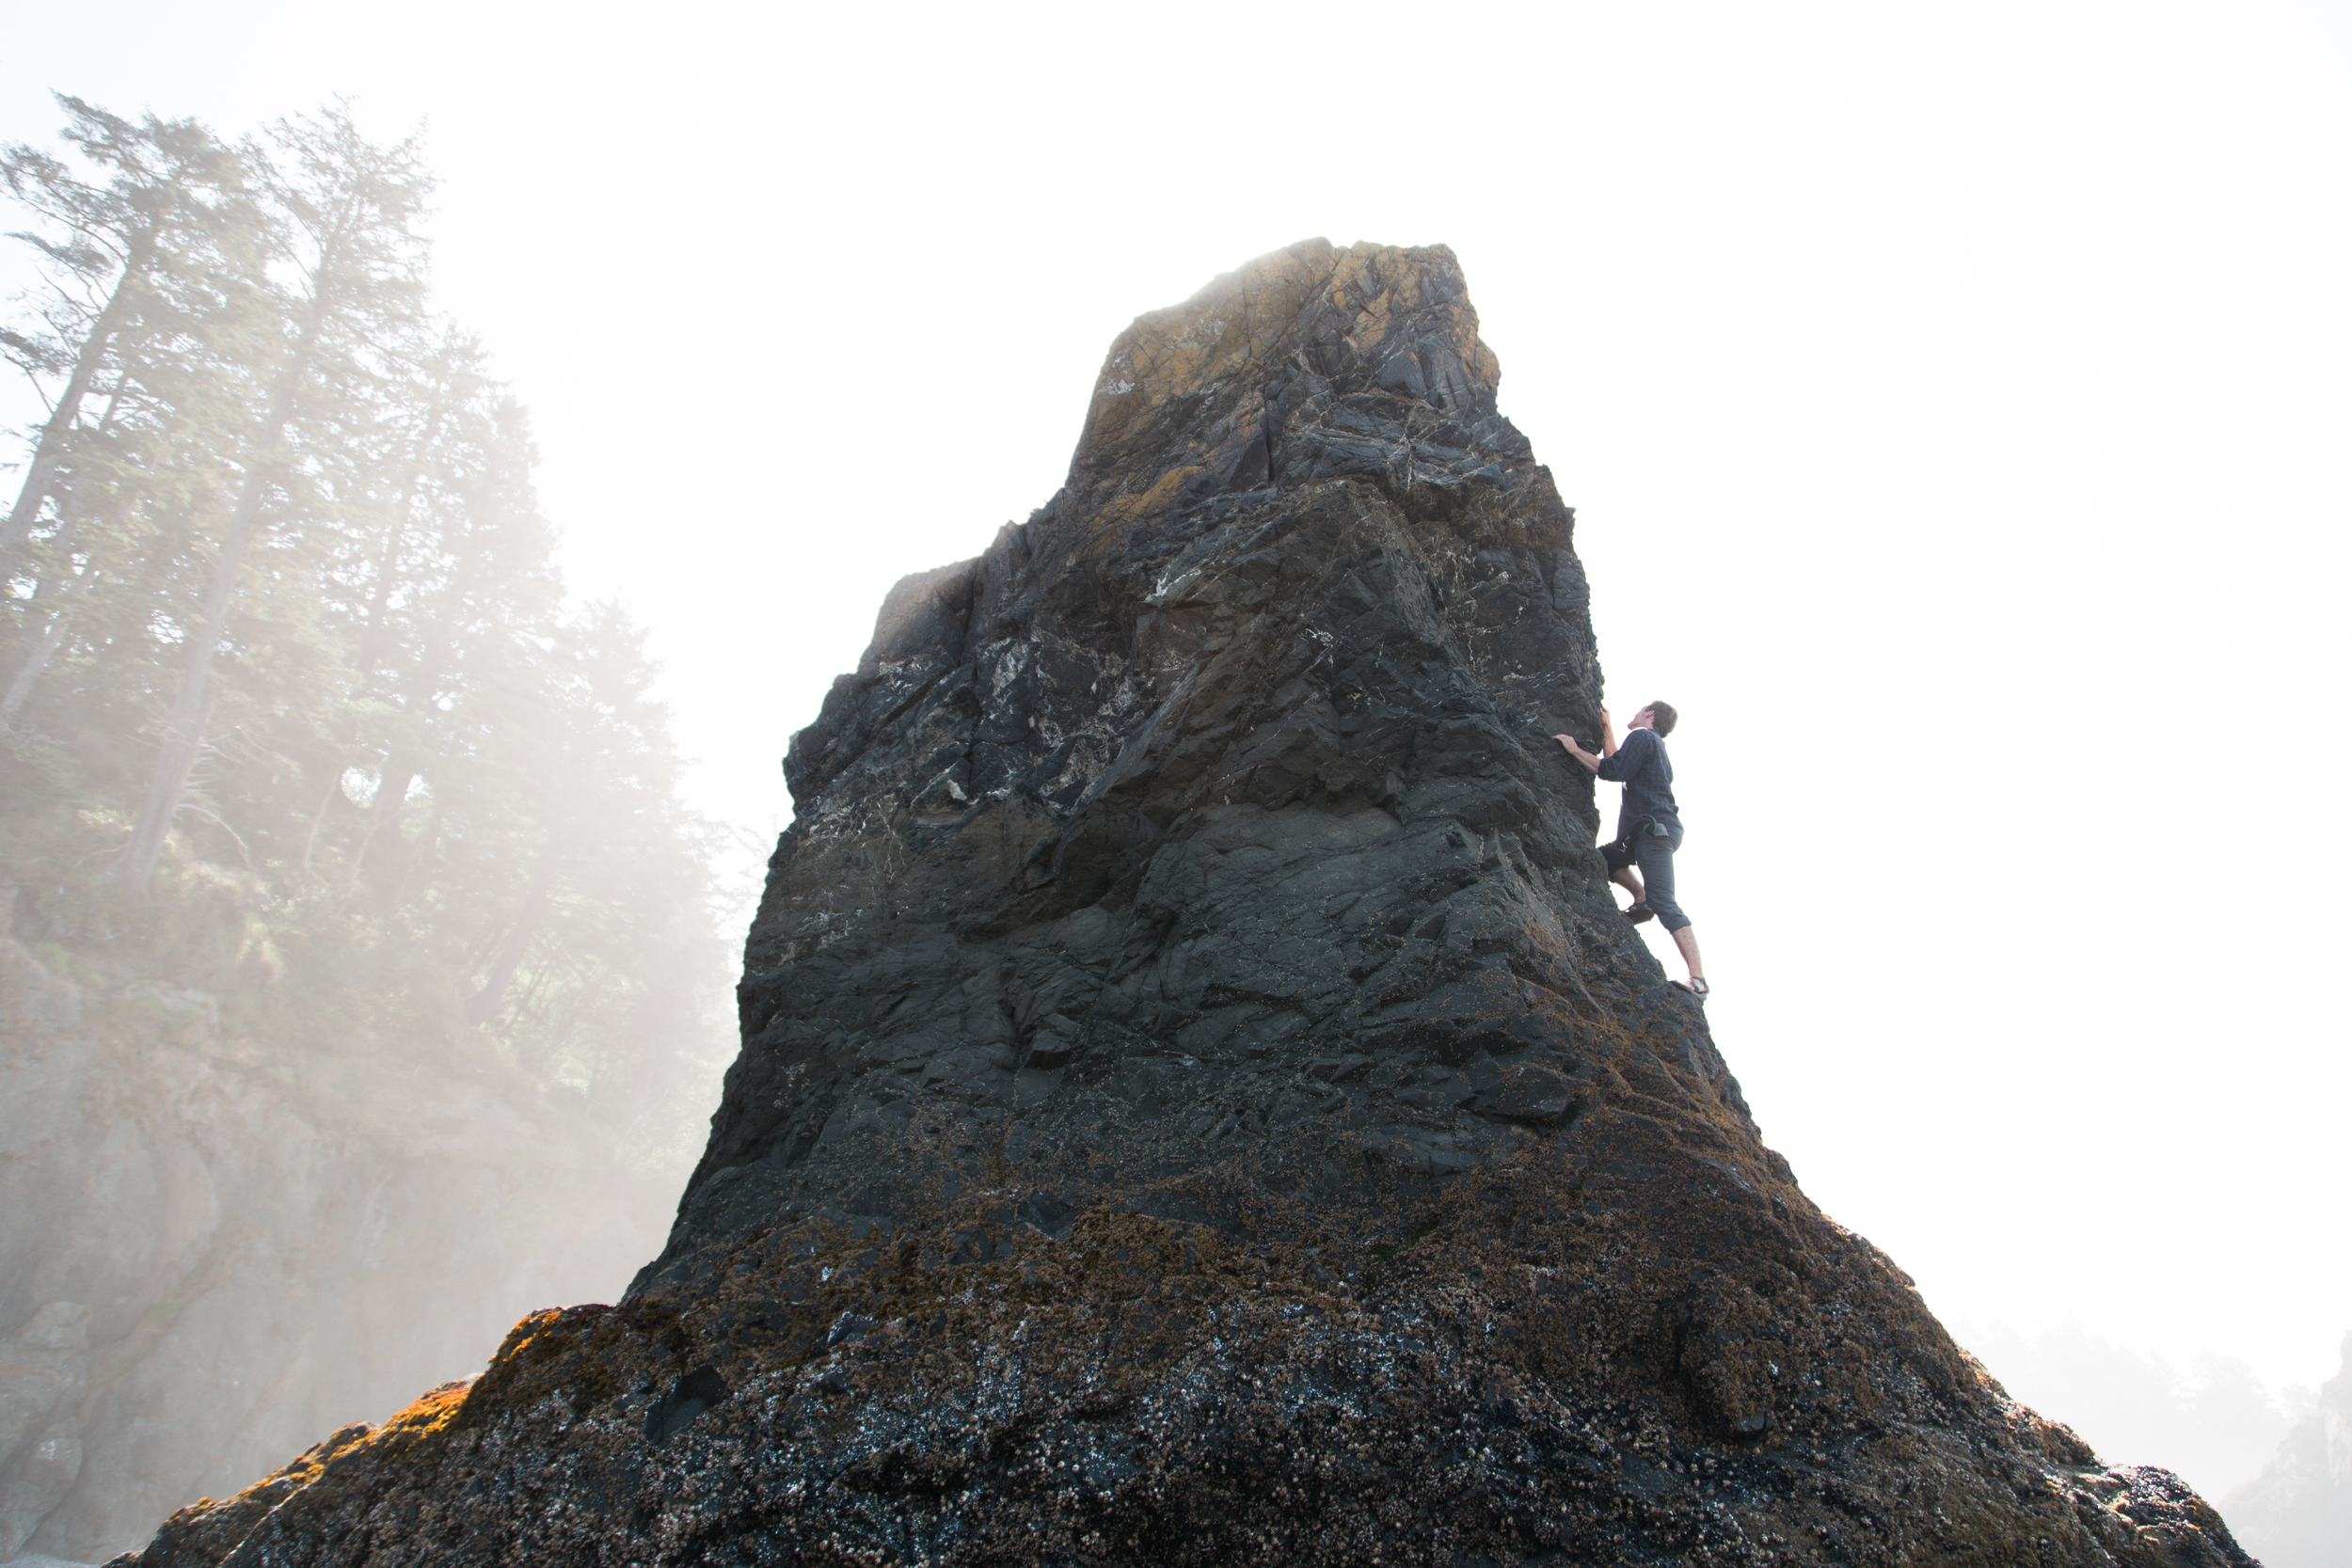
[1199,1101]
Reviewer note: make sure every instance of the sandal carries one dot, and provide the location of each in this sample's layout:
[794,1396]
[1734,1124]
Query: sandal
[1639,912]
[1697,985]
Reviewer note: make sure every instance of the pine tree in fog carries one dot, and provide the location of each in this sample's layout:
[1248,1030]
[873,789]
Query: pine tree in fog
[145,267]
[293,704]
[345,235]
[345,890]
[166,189]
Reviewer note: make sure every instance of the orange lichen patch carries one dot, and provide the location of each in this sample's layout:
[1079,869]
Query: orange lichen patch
[432,1410]
[1385,289]
[1135,508]
[585,1354]
[233,1518]
[1388,283]
[1234,321]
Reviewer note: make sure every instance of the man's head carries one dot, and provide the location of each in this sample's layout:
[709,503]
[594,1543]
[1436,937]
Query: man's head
[1656,716]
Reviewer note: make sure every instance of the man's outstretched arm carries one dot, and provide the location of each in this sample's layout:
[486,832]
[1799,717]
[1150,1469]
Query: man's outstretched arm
[1608,744]
[1579,754]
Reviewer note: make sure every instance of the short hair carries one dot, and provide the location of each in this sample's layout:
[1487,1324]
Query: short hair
[1663,717]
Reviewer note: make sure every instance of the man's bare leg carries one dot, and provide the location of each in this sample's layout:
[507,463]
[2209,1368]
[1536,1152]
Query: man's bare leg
[1686,943]
[1631,881]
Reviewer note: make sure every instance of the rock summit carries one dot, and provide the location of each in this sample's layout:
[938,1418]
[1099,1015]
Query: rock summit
[1199,1102]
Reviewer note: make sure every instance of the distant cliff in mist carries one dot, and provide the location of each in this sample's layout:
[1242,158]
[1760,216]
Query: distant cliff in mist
[2299,1513]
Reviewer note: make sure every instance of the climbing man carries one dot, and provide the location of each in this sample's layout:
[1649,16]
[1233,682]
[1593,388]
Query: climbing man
[1650,830]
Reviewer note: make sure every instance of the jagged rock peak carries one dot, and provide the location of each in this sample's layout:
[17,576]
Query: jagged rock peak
[1199,1101]
[1310,364]
[1199,398]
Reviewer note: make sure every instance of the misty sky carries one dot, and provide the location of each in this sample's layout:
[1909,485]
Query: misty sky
[1953,398]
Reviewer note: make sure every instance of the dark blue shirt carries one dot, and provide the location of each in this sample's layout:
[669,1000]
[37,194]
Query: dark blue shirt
[1641,766]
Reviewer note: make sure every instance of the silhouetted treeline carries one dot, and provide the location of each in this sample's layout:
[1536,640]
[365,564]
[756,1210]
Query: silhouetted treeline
[294,705]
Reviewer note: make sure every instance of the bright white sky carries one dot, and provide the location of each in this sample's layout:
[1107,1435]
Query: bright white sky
[1954,398]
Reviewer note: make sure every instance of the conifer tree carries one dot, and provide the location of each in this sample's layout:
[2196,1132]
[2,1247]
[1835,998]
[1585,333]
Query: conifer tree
[171,189]
[288,591]
[350,212]
[148,277]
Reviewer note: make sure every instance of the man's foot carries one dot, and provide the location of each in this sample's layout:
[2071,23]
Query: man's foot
[1640,913]
[1695,985]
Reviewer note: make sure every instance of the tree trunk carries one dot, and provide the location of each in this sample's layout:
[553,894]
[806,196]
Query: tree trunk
[312,843]
[393,787]
[372,636]
[420,861]
[183,735]
[50,451]
[484,1004]
[52,636]
[55,596]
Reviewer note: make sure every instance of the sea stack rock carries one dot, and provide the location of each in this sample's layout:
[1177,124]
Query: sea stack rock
[1199,1102]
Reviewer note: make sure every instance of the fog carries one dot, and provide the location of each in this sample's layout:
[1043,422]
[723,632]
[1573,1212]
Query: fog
[1950,397]
[2215,1420]
[361,978]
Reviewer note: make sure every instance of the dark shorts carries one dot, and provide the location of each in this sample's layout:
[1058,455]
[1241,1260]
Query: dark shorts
[1654,855]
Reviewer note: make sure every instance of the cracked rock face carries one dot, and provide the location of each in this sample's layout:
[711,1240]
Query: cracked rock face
[1199,1101]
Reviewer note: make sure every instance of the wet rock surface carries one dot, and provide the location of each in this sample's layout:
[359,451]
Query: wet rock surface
[1199,1104]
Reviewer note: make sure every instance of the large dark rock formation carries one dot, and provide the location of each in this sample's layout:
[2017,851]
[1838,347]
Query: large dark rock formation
[1199,1104]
